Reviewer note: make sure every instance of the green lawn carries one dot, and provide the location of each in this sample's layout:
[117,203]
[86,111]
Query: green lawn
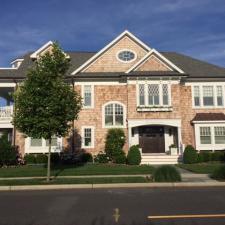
[88,169]
[204,168]
[108,180]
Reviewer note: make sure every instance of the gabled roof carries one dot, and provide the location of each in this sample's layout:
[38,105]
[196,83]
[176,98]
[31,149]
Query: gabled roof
[160,56]
[45,46]
[94,57]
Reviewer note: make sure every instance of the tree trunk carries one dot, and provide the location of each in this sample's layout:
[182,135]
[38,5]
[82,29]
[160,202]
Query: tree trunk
[49,159]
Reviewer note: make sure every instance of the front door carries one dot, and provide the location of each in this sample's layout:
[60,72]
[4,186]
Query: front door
[151,139]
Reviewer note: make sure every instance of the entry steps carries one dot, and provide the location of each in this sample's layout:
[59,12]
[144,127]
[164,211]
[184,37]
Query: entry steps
[157,159]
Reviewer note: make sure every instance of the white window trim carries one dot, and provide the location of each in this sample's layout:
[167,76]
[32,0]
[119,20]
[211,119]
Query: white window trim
[160,83]
[213,145]
[92,137]
[43,148]
[92,96]
[200,85]
[124,115]
[129,50]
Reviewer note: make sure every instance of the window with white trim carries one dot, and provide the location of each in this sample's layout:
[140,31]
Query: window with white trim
[208,95]
[88,96]
[114,115]
[219,93]
[154,94]
[219,133]
[87,137]
[205,135]
[41,142]
[196,96]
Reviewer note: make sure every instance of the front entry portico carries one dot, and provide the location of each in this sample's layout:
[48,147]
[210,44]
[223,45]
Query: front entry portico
[155,138]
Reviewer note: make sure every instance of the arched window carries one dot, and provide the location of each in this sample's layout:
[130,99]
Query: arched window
[113,115]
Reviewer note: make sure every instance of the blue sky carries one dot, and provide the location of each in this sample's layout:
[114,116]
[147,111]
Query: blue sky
[192,27]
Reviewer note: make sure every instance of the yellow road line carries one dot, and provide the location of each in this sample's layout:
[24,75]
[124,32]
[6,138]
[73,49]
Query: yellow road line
[187,216]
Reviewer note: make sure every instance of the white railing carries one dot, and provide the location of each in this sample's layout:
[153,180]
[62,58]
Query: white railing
[6,112]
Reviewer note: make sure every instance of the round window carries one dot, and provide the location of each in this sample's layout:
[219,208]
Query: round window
[126,56]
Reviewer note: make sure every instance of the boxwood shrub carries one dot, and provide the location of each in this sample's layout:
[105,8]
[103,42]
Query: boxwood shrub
[41,158]
[101,157]
[166,174]
[219,173]
[134,155]
[190,155]
[30,159]
[120,158]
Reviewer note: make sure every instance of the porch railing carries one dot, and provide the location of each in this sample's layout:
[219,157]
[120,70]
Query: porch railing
[6,112]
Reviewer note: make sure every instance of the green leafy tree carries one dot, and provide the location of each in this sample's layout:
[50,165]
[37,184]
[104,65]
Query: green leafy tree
[45,105]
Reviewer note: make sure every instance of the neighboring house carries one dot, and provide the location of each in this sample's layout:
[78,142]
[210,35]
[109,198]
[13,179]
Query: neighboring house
[159,99]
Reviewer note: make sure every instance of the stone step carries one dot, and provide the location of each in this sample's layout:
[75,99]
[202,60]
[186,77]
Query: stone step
[160,159]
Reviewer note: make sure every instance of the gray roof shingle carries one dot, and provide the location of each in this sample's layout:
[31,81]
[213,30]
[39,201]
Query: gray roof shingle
[194,68]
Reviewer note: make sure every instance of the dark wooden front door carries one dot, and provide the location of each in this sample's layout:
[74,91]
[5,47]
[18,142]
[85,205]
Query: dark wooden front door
[151,139]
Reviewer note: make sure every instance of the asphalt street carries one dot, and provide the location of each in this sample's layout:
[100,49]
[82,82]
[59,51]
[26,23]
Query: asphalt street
[106,206]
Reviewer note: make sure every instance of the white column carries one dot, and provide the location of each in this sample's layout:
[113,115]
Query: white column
[129,136]
[180,150]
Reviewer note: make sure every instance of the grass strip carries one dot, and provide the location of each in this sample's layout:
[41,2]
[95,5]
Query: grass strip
[88,169]
[75,181]
[201,168]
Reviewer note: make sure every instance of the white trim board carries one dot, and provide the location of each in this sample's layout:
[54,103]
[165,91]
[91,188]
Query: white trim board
[93,58]
[148,55]
[45,46]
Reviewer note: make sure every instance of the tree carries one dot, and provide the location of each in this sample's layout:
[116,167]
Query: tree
[45,105]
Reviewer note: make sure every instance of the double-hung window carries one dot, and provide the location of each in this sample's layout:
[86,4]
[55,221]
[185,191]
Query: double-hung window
[205,135]
[208,96]
[114,115]
[219,92]
[219,133]
[88,96]
[196,95]
[88,137]
[153,94]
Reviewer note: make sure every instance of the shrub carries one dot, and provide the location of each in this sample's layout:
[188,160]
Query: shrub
[101,157]
[206,156]
[115,141]
[219,173]
[41,158]
[86,157]
[134,155]
[120,158]
[30,159]
[218,156]
[8,154]
[166,174]
[55,158]
[190,155]
[200,158]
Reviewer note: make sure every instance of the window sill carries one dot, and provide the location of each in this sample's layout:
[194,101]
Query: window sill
[154,109]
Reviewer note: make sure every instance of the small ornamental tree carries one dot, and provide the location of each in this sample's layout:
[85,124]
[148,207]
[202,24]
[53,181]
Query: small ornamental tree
[45,104]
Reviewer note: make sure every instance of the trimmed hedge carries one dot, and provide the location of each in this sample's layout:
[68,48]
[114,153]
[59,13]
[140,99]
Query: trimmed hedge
[219,173]
[190,155]
[134,155]
[166,174]
[120,158]
[41,158]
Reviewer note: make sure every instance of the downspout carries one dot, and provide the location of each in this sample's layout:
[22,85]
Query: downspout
[14,111]
[73,125]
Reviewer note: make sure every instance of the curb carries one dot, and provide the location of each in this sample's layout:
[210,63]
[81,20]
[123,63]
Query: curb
[116,185]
